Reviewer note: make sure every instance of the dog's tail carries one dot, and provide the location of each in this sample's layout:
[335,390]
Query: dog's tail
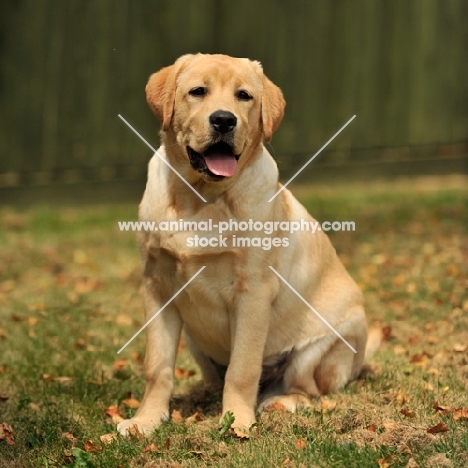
[374,337]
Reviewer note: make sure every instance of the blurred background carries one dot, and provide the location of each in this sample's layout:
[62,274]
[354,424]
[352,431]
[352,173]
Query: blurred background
[68,68]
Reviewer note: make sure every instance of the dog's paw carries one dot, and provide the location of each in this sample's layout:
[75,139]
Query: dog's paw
[285,402]
[136,427]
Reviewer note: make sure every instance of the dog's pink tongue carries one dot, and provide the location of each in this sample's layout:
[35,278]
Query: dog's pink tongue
[221,164]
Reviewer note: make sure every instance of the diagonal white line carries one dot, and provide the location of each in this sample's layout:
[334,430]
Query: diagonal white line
[314,311]
[311,159]
[161,309]
[161,158]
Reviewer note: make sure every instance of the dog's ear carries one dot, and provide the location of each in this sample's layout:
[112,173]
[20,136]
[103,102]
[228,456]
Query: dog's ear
[273,105]
[160,90]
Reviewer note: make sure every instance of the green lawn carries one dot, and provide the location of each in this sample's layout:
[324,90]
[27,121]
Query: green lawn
[70,297]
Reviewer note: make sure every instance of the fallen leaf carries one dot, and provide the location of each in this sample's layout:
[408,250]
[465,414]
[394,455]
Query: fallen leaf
[111,410]
[176,416]
[107,439]
[327,405]
[441,408]
[276,406]
[69,436]
[197,453]
[421,359]
[150,448]
[6,433]
[399,350]
[401,398]
[167,443]
[413,339]
[441,427]
[432,340]
[460,414]
[90,447]
[195,417]
[301,444]
[3,333]
[371,427]
[119,364]
[4,396]
[383,463]
[116,418]
[131,403]
[459,348]
[34,407]
[408,413]
[386,332]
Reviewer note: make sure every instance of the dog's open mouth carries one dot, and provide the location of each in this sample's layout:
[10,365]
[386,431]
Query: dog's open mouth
[217,161]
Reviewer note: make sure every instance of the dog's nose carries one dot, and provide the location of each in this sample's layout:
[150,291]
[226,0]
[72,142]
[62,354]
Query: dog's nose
[223,121]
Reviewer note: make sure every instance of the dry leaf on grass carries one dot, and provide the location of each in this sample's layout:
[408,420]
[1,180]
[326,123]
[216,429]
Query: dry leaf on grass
[151,448]
[69,436]
[6,433]
[131,403]
[408,413]
[112,410]
[195,417]
[401,398]
[371,427]
[383,463]
[460,414]
[119,364]
[441,408]
[90,447]
[459,348]
[107,439]
[327,405]
[4,396]
[441,427]
[301,444]
[176,416]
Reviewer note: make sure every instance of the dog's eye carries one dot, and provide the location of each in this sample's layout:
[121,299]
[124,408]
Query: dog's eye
[243,95]
[200,91]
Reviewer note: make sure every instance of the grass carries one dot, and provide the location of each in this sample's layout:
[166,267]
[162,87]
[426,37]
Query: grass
[70,296]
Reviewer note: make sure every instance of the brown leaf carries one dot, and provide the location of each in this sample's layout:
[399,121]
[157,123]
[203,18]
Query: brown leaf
[111,410]
[4,396]
[383,463]
[3,333]
[441,427]
[301,444]
[150,448]
[276,406]
[327,405]
[69,436]
[6,433]
[459,348]
[460,414]
[432,340]
[386,332]
[131,403]
[421,359]
[167,443]
[371,427]
[90,447]
[119,364]
[401,398]
[441,408]
[399,350]
[195,417]
[176,416]
[408,413]
[107,439]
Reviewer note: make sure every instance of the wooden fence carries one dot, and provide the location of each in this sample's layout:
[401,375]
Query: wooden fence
[68,67]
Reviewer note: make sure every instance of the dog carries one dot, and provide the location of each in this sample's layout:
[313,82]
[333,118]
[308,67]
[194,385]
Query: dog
[252,329]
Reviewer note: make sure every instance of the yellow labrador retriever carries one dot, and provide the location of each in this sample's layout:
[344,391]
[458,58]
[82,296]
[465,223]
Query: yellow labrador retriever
[245,326]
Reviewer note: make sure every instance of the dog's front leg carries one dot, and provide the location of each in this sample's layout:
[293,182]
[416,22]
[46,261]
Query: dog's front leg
[250,324]
[162,339]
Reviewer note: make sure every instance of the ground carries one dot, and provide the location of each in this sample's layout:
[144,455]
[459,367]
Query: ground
[71,296]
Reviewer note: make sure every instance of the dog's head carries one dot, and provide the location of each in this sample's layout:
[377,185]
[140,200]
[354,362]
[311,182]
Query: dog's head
[217,108]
